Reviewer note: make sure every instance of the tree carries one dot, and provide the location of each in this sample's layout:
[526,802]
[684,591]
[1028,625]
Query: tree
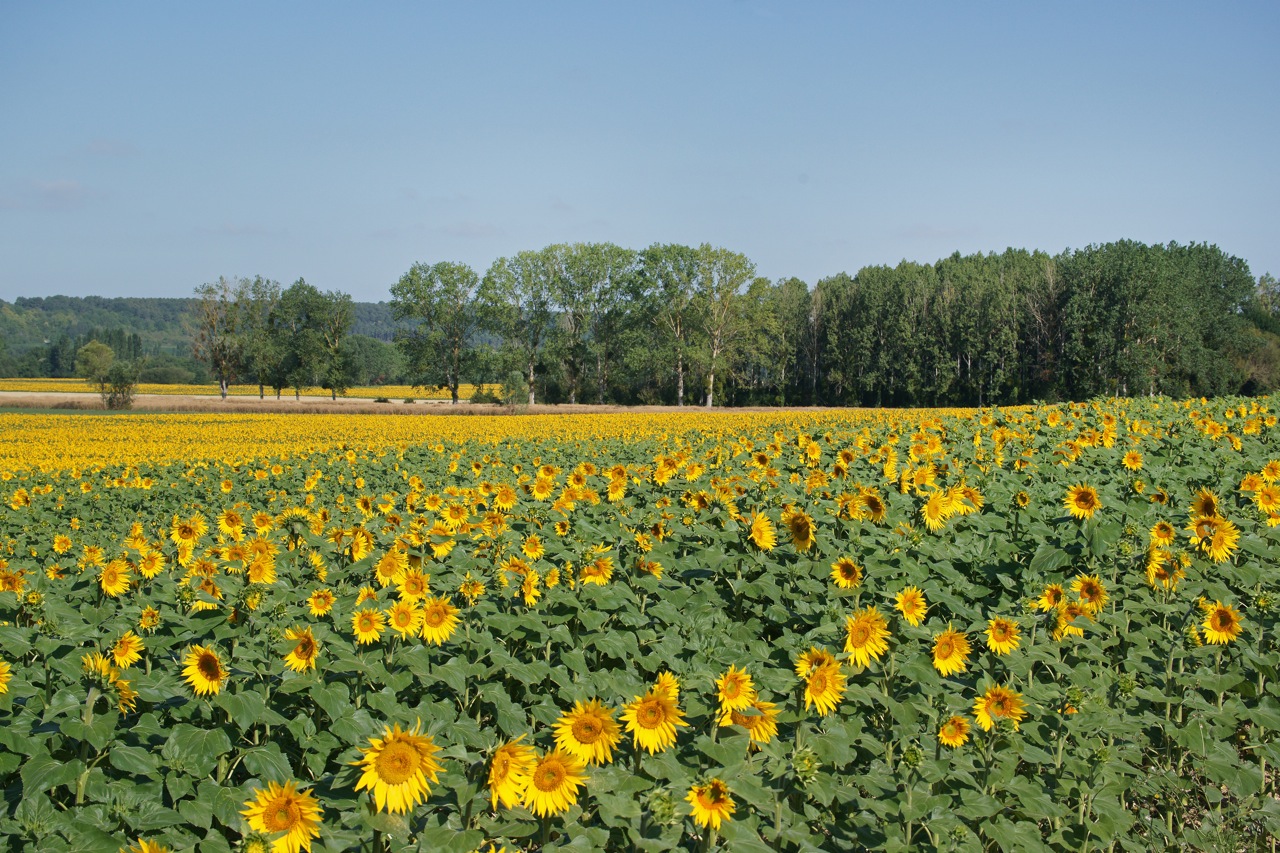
[217,339]
[93,360]
[296,330]
[261,352]
[335,320]
[668,274]
[119,384]
[515,300]
[442,299]
[721,275]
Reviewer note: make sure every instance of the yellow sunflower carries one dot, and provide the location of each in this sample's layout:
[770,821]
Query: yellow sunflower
[1082,501]
[553,783]
[303,655]
[1217,537]
[321,602]
[1050,598]
[533,547]
[711,804]
[1204,504]
[846,573]
[999,703]
[282,810]
[954,732]
[141,846]
[762,533]
[204,671]
[588,732]
[935,511]
[1221,623]
[1132,460]
[760,719]
[6,675]
[911,604]
[951,652]
[367,623]
[1091,592]
[652,720]
[404,618]
[509,771]
[800,524]
[114,578]
[439,620]
[866,635]
[1002,635]
[127,650]
[1068,613]
[735,689]
[397,767]
[668,685]
[413,585]
[808,661]
[1162,534]
[824,687]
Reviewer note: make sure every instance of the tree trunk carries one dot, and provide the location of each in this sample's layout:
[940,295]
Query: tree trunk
[680,379]
[530,382]
[222,386]
[261,391]
[711,387]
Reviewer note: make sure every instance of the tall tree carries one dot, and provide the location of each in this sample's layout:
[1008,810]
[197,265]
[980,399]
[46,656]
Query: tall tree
[516,303]
[441,298]
[669,275]
[722,275]
[219,320]
[262,353]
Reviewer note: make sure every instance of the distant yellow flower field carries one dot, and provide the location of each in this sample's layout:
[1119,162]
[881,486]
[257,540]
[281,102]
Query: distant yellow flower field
[391,392]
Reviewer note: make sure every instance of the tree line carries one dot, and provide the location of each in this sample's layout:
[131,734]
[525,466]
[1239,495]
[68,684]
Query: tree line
[676,324]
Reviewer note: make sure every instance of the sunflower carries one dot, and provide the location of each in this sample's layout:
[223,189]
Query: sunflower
[954,732]
[404,618]
[127,650]
[866,635]
[367,623]
[1217,537]
[533,547]
[204,671]
[668,685]
[735,689]
[1082,501]
[999,702]
[397,767]
[800,524]
[151,564]
[553,783]
[1092,594]
[285,811]
[808,661]
[1162,534]
[149,619]
[1204,504]
[6,675]
[141,846]
[1221,623]
[114,578]
[321,602]
[509,772]
[951,652]
[652,719]
[1002,635]
[935,511]
[911,604]
[413,585]
[188,531]
[303,655]
[1022,500]
[760,719]
[762,532]
[1068,613]
[824,687]
[846,573]
[439,620]
[873,506]
[712,804]
[231,523]
[61,544]
[1050,598]
[588,732]
[391,567]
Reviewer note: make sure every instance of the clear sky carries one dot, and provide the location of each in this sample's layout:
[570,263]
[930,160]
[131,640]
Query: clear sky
[146,148]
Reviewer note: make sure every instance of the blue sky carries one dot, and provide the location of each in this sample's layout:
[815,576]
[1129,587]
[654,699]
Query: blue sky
[148,147]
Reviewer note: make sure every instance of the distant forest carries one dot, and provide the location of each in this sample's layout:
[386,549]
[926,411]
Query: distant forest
[681,324]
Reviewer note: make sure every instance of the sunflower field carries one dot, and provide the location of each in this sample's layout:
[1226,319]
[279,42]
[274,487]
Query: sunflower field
[1033,628]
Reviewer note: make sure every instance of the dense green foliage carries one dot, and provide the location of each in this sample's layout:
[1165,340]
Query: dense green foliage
[676,324]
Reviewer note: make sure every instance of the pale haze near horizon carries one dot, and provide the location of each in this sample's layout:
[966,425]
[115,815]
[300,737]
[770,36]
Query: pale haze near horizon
[150,147]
